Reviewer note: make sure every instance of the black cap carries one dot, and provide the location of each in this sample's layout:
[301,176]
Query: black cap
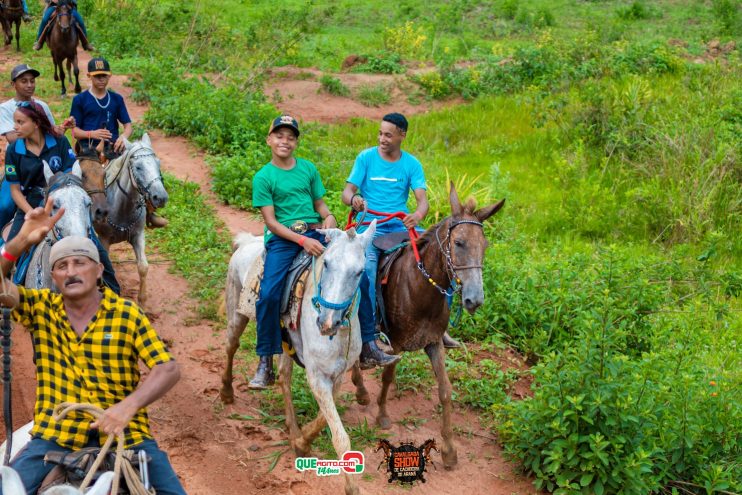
[285,121]
[19,70]
[397,119]
[98,66]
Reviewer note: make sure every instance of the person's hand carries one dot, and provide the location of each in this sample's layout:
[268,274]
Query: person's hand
[358,203]
[411,220]
[114,419]
[69,123]
[120,145]
[102,134]
[313,247]
[38,223]
[329,222]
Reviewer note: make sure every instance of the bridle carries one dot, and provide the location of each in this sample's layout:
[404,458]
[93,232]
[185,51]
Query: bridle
[346,306]
[143,191]
[66,180]
[454,281]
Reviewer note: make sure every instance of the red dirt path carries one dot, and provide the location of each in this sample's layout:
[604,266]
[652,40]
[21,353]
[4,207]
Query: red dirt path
[214,454]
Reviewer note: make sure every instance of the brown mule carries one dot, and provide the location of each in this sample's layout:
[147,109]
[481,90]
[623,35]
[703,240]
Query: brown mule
[417,312]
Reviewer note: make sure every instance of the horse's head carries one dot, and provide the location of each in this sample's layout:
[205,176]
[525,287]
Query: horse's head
[343,263]
[144,167]
[383,444]
[65,190]
[463,243]
[64,10]
[94,183]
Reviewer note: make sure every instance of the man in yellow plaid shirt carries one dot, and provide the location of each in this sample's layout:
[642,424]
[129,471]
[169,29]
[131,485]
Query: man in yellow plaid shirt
[87,345]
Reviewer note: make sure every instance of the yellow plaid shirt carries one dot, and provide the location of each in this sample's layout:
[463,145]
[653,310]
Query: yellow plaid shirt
[99,368]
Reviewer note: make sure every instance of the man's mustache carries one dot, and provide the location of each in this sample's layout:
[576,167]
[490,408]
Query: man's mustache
[72,280]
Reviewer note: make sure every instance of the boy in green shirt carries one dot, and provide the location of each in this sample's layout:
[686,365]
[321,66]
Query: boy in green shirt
[289,193]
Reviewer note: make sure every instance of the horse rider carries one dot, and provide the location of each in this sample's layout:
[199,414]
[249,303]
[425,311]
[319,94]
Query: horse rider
[37,141]
[98,112]
[48,12]
[23,79]
[289,193]
[26,15]
[384,174]
[88,343]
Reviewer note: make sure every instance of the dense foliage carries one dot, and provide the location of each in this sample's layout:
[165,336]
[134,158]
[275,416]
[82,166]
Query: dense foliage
[613,128]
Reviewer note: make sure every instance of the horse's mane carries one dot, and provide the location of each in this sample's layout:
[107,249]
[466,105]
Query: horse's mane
[60,179]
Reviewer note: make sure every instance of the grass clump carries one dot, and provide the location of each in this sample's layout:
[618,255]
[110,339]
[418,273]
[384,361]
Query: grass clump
[333,86]
[374,95]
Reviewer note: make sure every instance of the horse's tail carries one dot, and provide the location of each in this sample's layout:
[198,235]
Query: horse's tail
[243,239]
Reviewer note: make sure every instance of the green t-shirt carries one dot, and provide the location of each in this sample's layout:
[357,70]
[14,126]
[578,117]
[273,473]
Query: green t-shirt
[291,193]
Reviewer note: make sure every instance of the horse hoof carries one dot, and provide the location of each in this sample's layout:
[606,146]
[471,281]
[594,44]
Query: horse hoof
[363,399]
[384,422]
[450,459]
[227,396]
[352,490]
[301,448]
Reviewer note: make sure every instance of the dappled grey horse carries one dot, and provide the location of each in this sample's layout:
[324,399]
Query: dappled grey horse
[132,181]
[328,337]
[64,190]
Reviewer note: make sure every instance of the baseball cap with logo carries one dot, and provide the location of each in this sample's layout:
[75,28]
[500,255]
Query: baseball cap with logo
[285,121]
[98,66]
[73,246]
[19,70]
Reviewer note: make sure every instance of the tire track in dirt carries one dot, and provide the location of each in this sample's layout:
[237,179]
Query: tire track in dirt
[214,454]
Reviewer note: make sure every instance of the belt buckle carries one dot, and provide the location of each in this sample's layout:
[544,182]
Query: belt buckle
[300,227]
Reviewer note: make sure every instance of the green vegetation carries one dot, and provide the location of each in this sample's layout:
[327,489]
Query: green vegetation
[334,86]
[616,264]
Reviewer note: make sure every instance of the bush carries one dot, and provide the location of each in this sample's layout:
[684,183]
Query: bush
[374,95]
[634,12]
[384,62]
[727,14]
[333,85]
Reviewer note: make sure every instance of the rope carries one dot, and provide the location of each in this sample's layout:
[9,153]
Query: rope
[131,476]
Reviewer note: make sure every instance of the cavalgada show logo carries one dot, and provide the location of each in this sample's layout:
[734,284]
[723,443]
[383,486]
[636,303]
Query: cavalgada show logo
[352,462]
[406,463]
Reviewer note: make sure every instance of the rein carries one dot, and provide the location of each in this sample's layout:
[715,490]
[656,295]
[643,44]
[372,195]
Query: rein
[7,328]
[454,281]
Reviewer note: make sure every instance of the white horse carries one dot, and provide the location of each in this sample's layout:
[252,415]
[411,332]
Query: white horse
[12,485]
[328,338]
[132,181]
[65,190]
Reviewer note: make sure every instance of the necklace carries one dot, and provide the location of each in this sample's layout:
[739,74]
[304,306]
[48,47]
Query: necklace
[108,99]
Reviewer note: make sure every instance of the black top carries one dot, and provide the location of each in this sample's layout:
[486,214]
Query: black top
[25,168]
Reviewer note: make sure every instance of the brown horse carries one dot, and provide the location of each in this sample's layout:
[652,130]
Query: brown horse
[12,13]
[94,183]
[416,309]
[63,40]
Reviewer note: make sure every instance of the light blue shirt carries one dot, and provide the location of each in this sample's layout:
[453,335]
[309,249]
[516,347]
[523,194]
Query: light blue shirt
[386,185]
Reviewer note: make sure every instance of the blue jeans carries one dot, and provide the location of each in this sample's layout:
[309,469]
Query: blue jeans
[279,255]
[25,7]
[367,306]
[7,205]
[47,15]
[30,465]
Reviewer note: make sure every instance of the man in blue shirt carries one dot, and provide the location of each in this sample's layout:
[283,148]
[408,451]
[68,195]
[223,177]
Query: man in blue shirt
[384,175]
[98,112]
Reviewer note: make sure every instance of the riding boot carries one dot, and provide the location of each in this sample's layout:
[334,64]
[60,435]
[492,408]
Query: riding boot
[27,18]
[449,342]
[84,41]
[38,45]
[155,221]
[372,356]
[264,376]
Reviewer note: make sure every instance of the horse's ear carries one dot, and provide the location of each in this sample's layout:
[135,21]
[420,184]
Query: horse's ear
[127,144]
[76,169]
[483,214]
[48,174]
[330,234]
[146,140]
[453,199]
[368,235]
